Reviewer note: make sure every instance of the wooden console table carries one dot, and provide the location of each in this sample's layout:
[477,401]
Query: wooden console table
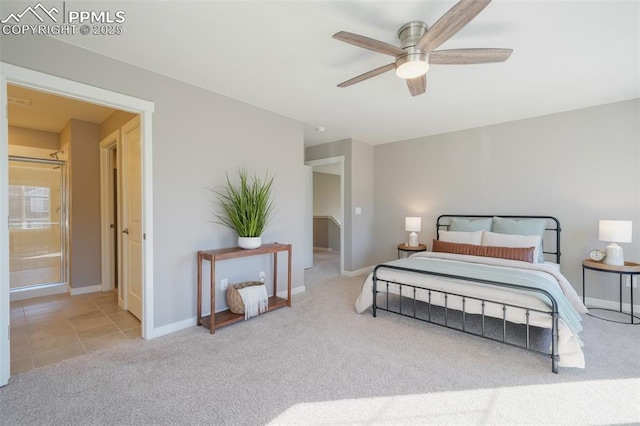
[220,319]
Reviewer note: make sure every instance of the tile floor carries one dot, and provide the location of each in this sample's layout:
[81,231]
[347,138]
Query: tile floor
[33,269]
[46,330]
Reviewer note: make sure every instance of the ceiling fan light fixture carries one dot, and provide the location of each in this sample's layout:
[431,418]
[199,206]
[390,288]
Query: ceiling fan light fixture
[418,44]
[412,65]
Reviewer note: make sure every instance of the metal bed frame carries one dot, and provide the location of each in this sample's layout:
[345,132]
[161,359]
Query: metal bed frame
[412,294]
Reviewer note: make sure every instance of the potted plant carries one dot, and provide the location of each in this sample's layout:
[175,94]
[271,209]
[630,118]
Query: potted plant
[247,207]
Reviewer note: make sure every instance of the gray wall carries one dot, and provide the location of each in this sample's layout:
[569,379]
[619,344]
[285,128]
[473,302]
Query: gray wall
[81,140]
[326,196]
[333,231]
[362,184]
[197,136]
[579,166]
[326,233]
[358,192]
[114,122]
[326,205]
[34,138]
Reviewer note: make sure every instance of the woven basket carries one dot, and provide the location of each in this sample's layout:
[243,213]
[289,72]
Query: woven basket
[234,301]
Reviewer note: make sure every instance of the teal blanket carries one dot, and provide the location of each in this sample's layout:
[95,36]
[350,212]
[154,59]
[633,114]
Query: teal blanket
[520,277]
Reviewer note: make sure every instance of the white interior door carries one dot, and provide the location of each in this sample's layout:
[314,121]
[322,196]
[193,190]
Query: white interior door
[132,230]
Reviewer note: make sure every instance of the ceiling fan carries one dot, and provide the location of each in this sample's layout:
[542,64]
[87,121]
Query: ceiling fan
[417,44]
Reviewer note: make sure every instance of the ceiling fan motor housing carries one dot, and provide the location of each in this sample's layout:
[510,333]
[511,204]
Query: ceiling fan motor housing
[410,33]
[416,61]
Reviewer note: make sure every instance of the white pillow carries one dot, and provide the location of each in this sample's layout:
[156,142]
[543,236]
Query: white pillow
[513,240]
[461,237]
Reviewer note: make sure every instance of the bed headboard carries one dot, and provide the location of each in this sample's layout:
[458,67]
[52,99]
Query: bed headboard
[550,242]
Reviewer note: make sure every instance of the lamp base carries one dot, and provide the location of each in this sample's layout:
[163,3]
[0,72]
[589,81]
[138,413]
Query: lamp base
[614,255]
[413,239]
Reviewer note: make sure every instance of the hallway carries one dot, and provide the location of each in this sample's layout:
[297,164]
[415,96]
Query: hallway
[326,265]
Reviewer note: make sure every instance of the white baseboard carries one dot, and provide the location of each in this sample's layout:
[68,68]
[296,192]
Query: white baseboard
[295,290]
[172,328]
[190,322]
[608,304]
[84,290]
[44,290]
[358,272]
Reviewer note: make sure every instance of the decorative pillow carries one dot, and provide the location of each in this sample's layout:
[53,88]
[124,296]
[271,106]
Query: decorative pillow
[470,225]
[524,254]
[512,240]
[503,225]
[461,237]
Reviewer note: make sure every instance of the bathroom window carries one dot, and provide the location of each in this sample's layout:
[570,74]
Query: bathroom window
[29,206]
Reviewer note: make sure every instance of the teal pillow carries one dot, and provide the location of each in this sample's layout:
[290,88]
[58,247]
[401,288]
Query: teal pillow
[503,225]
[470,225]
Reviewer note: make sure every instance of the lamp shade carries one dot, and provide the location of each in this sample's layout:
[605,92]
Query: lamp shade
[618,231]
[413,224]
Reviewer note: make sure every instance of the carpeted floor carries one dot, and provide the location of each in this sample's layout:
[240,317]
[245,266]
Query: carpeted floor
[319,362]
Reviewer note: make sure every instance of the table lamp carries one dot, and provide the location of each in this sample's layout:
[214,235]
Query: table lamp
[615,231]
[413,225]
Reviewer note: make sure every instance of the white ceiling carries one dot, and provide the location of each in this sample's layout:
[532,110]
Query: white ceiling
[280,56]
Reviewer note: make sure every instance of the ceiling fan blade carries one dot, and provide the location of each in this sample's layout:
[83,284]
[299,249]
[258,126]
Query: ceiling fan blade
[368,43]
[417,86]
[450,23]
[469,56]
[367,75]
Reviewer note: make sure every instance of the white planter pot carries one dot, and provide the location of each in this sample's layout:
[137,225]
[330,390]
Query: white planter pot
[249,242]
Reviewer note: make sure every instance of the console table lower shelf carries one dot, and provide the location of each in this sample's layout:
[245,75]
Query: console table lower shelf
[227,317]
[221,319]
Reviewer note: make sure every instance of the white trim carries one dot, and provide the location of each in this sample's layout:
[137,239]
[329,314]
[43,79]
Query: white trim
[614,305]
[39,291]
[323,162]
[172,328]
[147,205]
[295,290]
[56,85]
[322,248]
[72,89]
[85,290]
[5,353]
[364,270]
[106,208]
[192,322]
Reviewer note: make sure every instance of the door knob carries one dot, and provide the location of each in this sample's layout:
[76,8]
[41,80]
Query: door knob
[126,231]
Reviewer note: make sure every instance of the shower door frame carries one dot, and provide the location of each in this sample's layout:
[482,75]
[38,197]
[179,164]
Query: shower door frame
[61,286]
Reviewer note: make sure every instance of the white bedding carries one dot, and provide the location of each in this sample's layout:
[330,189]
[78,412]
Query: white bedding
[569,344]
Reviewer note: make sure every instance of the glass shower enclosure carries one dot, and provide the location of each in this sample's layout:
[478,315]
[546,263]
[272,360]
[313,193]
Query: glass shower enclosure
[37,222]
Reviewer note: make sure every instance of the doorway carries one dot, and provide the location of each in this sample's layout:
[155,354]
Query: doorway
[109,208]
[121,215]
[66,88]
[327,236]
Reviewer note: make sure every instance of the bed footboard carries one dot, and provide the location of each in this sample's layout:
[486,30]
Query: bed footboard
[409,291]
